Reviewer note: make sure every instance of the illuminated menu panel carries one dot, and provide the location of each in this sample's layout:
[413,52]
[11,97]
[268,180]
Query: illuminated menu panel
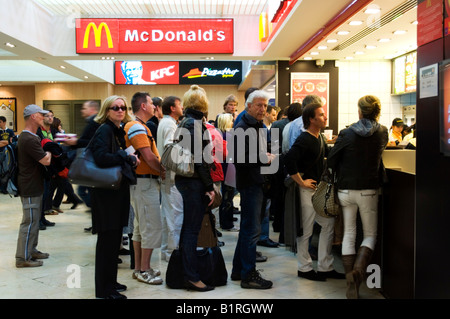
[405,73]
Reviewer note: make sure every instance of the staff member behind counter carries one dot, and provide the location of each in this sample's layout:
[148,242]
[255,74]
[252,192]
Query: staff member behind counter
[395,132]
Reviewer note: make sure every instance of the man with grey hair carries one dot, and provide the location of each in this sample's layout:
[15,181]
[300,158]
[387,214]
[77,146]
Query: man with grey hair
[30,181]
[249,183]
[297,127]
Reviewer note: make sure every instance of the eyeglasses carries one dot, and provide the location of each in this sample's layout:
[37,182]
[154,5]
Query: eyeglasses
[117,108]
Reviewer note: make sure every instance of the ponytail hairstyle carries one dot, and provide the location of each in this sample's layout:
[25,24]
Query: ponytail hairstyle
[195,98]
[370,107]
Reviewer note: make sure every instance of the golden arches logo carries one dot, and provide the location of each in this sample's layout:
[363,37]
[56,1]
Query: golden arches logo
[97,35]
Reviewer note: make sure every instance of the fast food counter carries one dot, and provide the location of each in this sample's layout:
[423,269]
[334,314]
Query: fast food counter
[397,231]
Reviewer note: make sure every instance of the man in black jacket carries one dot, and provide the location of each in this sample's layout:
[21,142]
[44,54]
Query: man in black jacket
[89,111]
[248,135]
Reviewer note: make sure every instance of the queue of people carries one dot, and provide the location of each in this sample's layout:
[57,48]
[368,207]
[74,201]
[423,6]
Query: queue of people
[167,209]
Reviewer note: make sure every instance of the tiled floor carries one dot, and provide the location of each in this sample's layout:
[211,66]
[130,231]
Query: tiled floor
[72,251]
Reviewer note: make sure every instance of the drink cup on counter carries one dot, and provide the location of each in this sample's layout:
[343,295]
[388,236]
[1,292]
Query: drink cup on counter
[328,134]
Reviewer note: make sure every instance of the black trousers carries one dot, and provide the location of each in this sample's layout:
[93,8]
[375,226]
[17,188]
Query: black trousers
[106,254]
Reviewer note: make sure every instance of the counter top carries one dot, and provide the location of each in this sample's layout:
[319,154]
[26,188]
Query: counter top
[400,159]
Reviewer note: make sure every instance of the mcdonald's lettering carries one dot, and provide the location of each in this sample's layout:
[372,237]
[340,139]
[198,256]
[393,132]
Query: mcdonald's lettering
[97,35]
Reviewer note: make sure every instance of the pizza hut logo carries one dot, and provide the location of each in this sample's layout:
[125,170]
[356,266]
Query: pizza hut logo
[224,73]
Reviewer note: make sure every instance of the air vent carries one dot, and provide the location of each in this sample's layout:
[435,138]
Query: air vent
[384,20]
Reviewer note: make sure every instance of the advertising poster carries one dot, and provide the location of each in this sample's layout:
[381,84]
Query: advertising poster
[303,84]
[445,109]
[429,16]
[8,110]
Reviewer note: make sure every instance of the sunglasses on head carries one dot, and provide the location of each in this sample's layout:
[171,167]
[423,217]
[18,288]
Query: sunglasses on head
[117,108]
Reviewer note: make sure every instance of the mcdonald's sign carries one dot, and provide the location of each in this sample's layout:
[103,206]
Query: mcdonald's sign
[97,36]
[154,36]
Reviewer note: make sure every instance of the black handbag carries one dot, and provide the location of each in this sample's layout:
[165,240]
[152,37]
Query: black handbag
[85,172]
[211,267]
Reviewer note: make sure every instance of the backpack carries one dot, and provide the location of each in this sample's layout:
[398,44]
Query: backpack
[9,169]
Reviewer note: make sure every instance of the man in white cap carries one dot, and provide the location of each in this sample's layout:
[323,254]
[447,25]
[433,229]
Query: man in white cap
[31,187]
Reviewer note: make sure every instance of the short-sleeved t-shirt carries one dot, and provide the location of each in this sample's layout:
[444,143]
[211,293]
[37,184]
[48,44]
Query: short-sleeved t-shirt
[139,136]
[6,135]
[31,175]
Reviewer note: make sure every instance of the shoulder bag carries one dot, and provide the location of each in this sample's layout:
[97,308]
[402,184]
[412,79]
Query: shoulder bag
[177,158]
[85,172]
[325,200]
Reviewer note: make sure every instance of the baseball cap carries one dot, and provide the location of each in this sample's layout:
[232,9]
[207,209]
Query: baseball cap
[32,109]
[397,122]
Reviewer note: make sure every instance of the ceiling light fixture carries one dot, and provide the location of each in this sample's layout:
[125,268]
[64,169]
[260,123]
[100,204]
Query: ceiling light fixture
[8,44]
[62,66]
[332,40]
[372,10]
[343,32]
[384,40]
[359,52]
[322,47]
[355,22]
[349,58]
[398,32]
[308,58]
[314,53]
[371,47]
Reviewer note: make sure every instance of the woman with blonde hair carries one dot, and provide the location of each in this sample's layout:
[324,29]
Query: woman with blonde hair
[224,125]
[197,191]
[356,159]
[110,208]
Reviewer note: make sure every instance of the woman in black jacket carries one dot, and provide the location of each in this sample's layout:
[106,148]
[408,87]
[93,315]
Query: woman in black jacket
[110,208]
[356,158]
[197,191]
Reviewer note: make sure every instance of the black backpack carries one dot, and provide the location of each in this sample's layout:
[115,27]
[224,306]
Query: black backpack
[9,169]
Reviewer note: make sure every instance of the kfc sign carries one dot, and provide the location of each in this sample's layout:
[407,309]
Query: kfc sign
[145,72]
[155,36]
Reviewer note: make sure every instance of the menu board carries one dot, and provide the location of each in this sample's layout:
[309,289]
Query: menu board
[405,73]
[304,83]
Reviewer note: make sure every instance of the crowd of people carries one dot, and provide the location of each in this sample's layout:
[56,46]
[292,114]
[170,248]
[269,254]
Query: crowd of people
[254,154]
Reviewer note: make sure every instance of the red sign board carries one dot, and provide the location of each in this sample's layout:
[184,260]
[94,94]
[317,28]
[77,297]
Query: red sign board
[154,36]
[146,72]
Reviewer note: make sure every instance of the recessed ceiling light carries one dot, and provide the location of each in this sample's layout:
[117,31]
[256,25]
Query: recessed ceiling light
[332,40]
[355,22]
[343,32]
[10,45]
[62,66]
[314,53]
[371,47]
[86,77]
[349,58]
[359,52]
[384,40]
[397,32]
[372,10]
[308,58]
[322,47]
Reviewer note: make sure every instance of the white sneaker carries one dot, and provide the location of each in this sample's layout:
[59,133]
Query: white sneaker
[149,279]
[154,272]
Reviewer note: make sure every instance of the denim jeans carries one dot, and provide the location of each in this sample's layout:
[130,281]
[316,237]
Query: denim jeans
[194,207]
[244,259]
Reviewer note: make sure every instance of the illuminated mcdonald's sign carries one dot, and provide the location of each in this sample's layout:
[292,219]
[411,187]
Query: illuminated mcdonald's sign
[154,36]
[97,35]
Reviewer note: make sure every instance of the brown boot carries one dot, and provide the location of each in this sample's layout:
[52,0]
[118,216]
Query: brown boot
[348,261]
[360,267]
